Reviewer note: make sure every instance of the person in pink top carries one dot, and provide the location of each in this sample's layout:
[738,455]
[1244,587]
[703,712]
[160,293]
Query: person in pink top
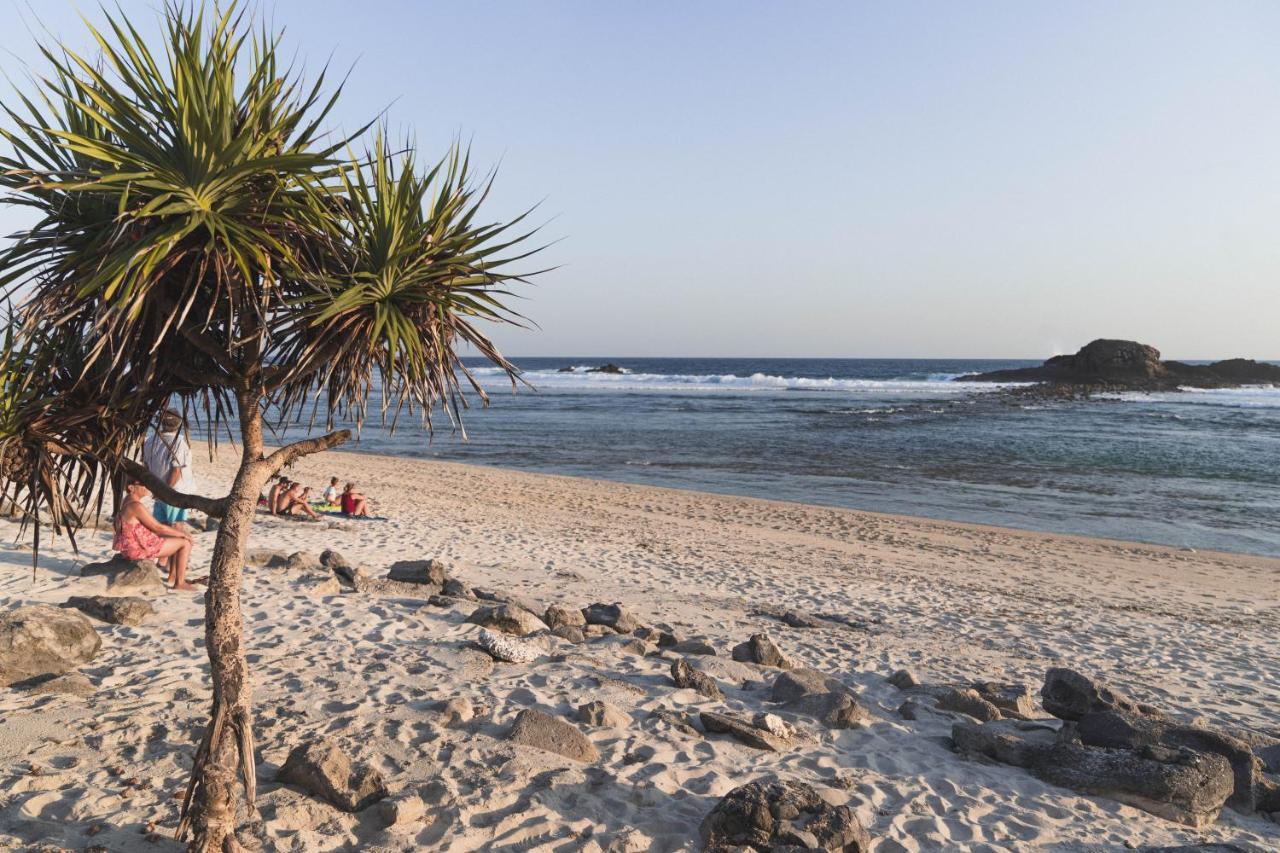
[138,536]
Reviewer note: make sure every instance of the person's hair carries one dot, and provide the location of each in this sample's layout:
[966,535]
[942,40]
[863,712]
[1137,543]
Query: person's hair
[170,420]
[333,481]
[349,487]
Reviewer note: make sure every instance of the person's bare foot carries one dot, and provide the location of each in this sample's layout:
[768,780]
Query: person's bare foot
[185,587]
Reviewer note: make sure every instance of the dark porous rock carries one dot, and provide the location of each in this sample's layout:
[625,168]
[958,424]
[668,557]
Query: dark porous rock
[323,770]
[694,646]
[837,710]
[559,614]
[600,713]
[545,732]
[798,683]
[663,638]
[613,615]
[686,677]
[760,649]
[44,641]
[507,618]
[331,559]
[1179,785]
[904,679]
[775,815]
[433,572]
[445,601]
[1013,700]
[742,730]
[967,701]
[123,610]
[1015,742]
[610,367]
[571,633]
[1122,730]
[455,588]
[1186,787]
[1069,695]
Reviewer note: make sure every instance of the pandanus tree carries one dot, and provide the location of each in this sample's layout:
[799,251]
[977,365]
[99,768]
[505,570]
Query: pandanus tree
[199,240]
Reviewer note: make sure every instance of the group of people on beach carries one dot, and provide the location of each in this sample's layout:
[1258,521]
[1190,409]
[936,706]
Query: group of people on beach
[160,532]
[289,497]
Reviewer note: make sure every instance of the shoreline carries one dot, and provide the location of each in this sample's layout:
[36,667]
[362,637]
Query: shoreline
[1196,634]
[901,518]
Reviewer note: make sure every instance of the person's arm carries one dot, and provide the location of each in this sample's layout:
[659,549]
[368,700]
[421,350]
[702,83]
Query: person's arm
[175,474]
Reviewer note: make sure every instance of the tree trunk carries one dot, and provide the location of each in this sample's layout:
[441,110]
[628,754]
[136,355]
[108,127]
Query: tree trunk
[226,752]
[210,805]
[227,749]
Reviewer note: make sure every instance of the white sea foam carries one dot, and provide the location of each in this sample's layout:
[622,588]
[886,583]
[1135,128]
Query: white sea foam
[578,380]
[1248,397]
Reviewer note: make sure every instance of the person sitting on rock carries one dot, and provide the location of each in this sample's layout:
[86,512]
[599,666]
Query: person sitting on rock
[354,504]
[138,536]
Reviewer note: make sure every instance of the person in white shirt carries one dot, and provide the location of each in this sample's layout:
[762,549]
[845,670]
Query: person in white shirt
[167,454]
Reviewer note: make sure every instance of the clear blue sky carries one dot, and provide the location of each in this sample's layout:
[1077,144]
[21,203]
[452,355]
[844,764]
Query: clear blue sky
[839,178]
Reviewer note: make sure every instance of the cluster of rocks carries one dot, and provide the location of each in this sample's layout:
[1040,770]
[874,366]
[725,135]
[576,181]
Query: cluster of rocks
[1103,743]
[1113,365]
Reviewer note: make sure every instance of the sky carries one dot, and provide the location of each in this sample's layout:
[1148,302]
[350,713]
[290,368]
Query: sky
[837,179]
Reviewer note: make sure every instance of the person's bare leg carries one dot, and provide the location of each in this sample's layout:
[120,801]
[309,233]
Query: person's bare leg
[177,550]
[361,507]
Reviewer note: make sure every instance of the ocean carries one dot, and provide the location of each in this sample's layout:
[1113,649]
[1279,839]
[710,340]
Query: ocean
[1198,469]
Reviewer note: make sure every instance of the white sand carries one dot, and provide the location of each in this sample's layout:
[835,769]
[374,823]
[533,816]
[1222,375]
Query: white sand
[1197,634]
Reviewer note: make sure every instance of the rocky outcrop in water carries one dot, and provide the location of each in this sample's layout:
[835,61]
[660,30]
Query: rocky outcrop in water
[1111,365]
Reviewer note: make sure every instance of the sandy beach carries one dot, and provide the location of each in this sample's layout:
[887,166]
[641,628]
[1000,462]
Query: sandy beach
[1196,634]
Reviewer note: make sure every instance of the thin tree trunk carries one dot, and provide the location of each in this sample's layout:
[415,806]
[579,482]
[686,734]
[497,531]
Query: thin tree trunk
[225,756]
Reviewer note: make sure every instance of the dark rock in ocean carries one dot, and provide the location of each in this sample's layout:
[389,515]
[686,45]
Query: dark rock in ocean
[782,815]
[605,368]
[1114,365]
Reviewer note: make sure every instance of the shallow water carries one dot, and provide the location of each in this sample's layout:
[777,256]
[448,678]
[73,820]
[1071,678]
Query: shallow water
[1196,469]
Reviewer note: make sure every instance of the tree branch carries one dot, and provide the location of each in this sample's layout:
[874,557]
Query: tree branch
[306,447]
[212,507]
